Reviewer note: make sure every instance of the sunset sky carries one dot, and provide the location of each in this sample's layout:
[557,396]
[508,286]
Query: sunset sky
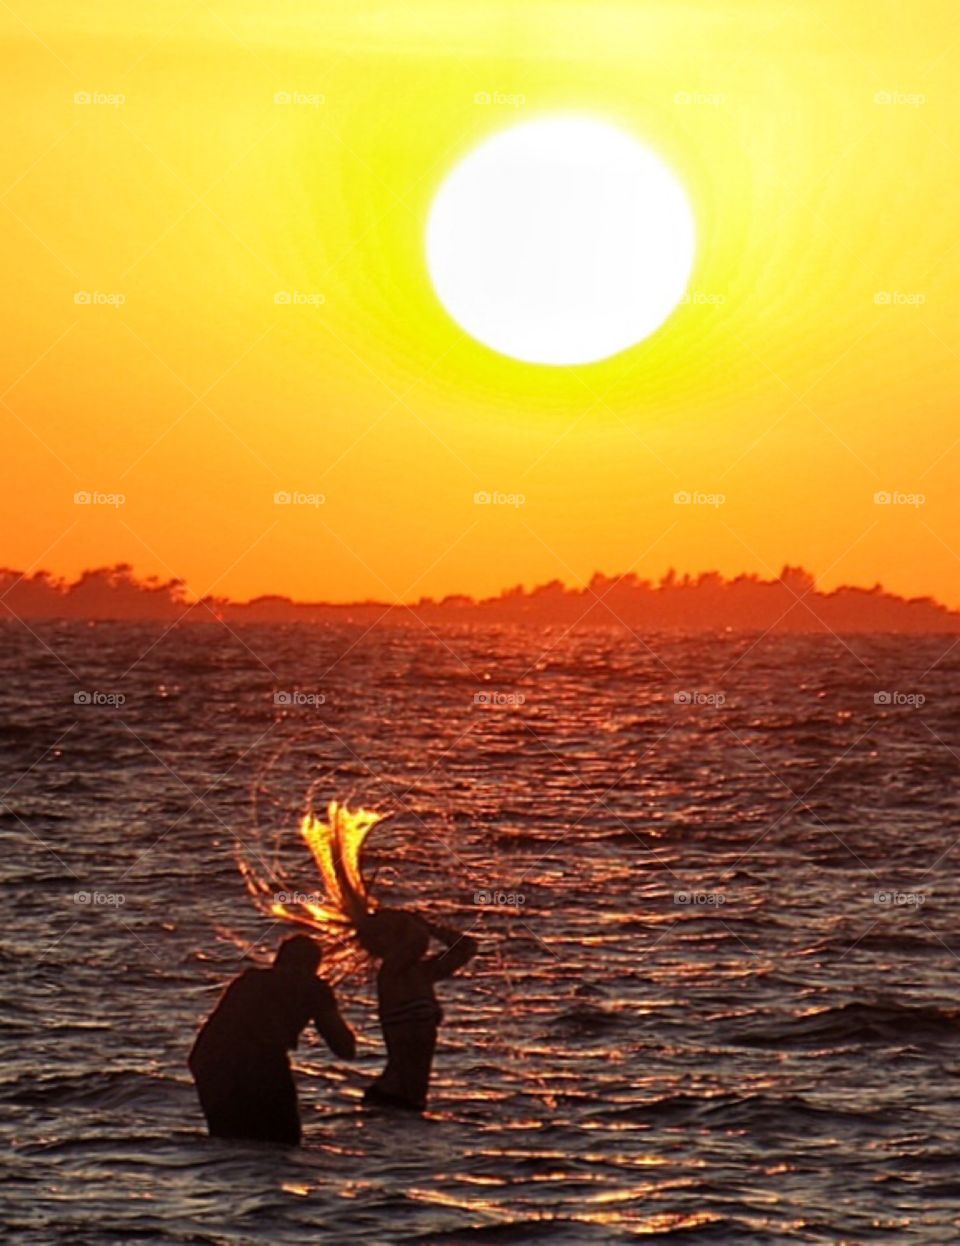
[179,165]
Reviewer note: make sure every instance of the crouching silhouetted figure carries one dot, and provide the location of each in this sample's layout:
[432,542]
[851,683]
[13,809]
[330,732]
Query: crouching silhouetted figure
[239,1061]
[409,1012]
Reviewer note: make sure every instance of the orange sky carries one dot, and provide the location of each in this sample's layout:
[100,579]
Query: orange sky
[182,166]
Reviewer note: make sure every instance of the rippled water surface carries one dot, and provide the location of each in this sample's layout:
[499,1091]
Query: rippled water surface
[726,1010]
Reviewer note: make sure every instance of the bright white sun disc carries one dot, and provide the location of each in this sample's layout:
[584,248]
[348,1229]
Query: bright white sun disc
[560,241]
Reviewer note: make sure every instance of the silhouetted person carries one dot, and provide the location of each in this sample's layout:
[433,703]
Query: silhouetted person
[409,1012]
[239,1060]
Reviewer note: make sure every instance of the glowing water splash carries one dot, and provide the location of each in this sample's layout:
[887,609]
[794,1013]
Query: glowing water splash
[335,908]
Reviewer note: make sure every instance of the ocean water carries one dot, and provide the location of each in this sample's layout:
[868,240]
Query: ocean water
[722,1006]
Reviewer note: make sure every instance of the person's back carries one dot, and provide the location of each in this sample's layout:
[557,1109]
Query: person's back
[409,1012]
[239,1060]
[264,1006]
[406,992]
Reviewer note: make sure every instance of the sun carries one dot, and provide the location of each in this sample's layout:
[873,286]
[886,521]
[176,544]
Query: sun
[560,241]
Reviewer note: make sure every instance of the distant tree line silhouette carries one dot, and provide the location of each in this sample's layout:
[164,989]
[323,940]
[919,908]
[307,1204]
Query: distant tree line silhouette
[707,602]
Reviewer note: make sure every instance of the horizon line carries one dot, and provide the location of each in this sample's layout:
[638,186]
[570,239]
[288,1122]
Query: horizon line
[745,600]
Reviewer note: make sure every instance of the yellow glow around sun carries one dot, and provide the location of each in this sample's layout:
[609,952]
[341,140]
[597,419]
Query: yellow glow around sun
[198,161]
[560,241]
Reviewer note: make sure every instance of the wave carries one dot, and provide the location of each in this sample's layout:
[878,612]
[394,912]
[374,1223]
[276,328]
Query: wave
[585,1017]
[856,1023]
[904,944]
[102,1090]
[759,1111]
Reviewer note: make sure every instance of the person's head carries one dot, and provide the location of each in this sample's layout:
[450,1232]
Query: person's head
[394,935]
[298,954]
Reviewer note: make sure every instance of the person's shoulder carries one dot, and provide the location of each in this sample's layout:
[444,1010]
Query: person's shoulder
[253,974]
[241,996]
[250,982]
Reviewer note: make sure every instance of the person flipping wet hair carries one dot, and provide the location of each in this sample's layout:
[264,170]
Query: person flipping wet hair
[409,1012]
[239,1060]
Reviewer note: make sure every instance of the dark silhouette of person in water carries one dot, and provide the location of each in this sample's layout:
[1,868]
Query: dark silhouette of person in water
[239,1060]
[409,1012]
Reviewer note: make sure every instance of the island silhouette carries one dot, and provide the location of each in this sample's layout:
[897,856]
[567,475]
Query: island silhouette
[791,602]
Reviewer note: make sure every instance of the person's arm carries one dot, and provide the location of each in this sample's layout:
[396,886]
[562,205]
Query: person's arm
[331,1026]
[460,949]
